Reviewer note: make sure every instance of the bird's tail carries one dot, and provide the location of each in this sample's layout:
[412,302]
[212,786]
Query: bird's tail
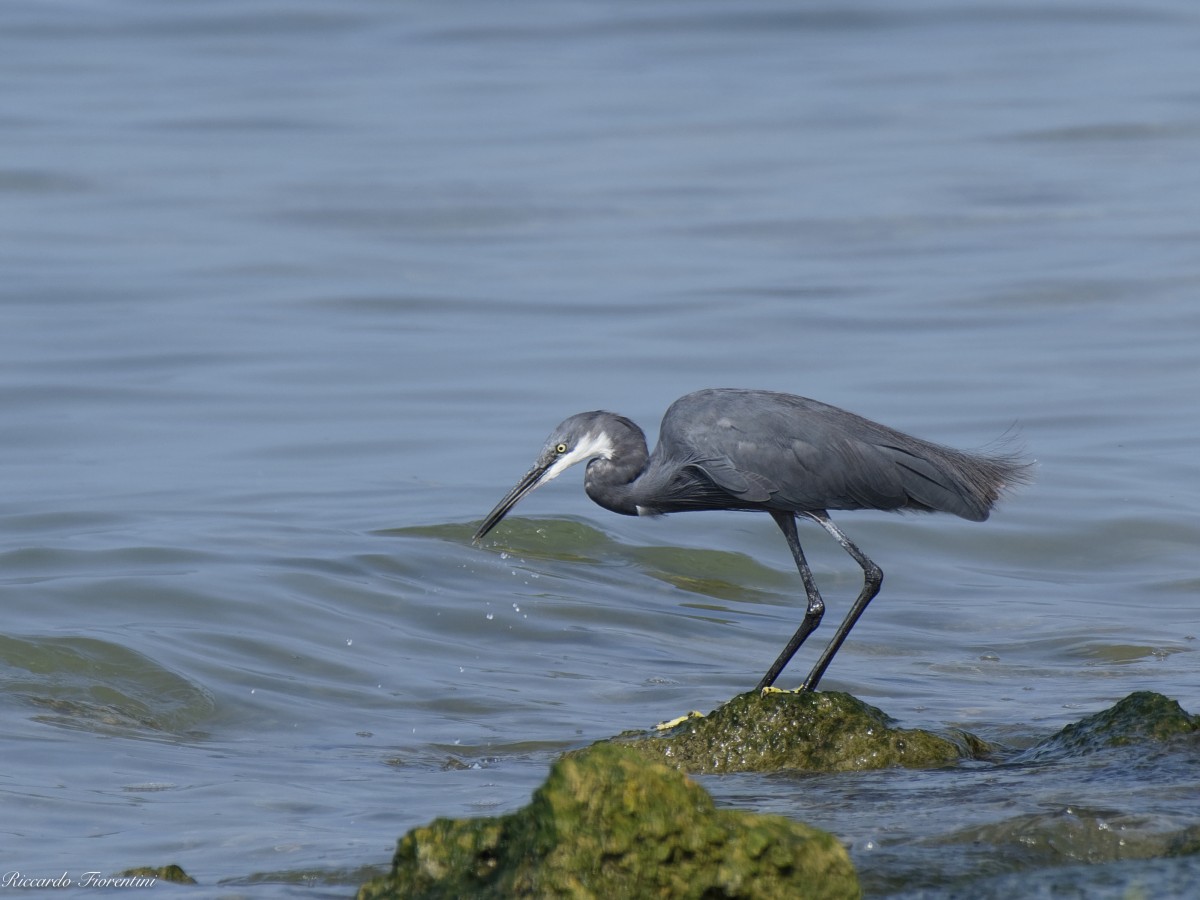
[982,477]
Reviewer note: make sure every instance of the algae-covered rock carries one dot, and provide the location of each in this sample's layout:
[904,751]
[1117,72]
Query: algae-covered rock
[608,823]
[146,876]
[827,731]
[1079,834]
[1141,717]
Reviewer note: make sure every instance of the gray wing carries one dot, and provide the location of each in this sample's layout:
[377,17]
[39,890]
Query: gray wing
[778,451]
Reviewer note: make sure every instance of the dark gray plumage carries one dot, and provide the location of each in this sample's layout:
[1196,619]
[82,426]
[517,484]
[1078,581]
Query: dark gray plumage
[782,454]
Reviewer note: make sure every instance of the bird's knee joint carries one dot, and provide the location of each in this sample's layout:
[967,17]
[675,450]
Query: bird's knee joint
[873,576]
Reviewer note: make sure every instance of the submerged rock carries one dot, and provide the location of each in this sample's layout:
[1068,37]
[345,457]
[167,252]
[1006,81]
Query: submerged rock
[145,876]
[827,732]
[609,823]
[1078,834]
[1142,717]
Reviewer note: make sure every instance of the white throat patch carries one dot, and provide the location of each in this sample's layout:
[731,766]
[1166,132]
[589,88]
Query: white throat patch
[590,447]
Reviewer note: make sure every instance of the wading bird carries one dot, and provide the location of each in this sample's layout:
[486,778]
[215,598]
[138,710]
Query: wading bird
[778,453]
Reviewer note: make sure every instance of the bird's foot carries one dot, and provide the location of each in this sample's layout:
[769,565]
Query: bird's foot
[667,726]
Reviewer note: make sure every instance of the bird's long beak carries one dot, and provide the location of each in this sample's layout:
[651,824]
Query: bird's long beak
[528,482]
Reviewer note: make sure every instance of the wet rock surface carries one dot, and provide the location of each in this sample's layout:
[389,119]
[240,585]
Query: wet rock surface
[609,823]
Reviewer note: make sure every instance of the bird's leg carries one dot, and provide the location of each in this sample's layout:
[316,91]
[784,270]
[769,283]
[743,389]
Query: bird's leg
[872,579]
[816,606]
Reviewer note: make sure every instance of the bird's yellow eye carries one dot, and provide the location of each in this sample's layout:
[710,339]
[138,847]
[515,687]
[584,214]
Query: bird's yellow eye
[561,448]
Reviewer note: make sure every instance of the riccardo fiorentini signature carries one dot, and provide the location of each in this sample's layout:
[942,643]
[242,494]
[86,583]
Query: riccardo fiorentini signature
[15,879]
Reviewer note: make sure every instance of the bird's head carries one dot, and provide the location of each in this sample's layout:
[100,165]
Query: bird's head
[578,439]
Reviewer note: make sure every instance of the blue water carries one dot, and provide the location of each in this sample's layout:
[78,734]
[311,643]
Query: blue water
[292,293]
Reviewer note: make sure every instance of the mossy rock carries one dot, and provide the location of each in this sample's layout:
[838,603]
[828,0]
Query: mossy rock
[170,873]
[609,823]
[777,730]
[1142,717]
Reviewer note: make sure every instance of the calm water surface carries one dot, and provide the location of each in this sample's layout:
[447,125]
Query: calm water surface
[292,292]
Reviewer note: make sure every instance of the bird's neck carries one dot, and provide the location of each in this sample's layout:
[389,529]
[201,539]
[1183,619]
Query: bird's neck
[613,483]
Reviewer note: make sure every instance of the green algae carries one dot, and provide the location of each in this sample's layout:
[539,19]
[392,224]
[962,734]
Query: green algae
[778,730]
[609,823]
[171,873]
[612,820]
[1142,717]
